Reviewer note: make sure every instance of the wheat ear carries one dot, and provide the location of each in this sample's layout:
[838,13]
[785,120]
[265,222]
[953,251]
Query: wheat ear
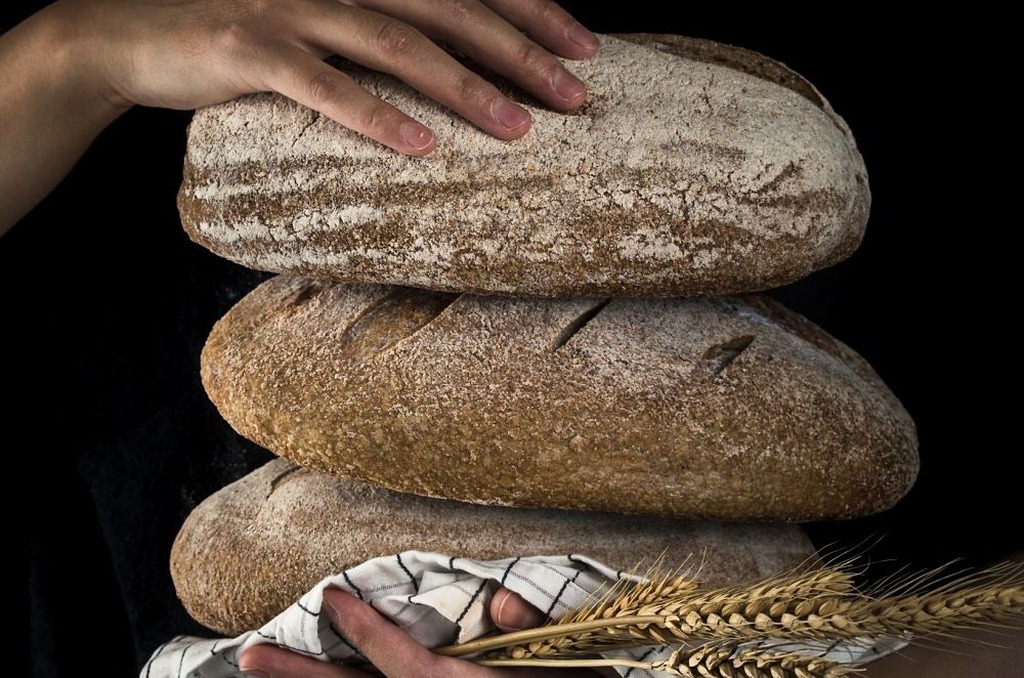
[815,604]
[684,612]
[713,660]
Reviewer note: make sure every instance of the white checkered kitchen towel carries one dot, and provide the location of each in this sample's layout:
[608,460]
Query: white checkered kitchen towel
[435,598]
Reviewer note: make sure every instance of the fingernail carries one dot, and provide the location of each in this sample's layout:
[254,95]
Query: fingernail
[567,86]
[508,114]
[252,671]
[502,596]
[582,37]
[416,135]
[529,617]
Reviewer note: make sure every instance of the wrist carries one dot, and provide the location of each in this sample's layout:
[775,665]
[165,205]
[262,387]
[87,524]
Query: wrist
[54,100]
[71,66]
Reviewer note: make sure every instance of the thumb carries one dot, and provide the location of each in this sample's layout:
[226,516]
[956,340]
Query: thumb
[511,612]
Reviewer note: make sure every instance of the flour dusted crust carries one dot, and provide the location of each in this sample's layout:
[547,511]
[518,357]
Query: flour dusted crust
[256,546]
[695,168]
[715,407]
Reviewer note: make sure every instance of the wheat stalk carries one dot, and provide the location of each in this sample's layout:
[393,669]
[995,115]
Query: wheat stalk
[810,604]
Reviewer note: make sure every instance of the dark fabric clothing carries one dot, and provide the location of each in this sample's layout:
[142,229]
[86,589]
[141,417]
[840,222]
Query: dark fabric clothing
[106,304]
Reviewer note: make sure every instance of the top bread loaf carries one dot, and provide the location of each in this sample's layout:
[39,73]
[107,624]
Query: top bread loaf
[694,168]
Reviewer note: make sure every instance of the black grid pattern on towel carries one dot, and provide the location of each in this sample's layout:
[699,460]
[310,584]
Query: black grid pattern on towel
[393,586]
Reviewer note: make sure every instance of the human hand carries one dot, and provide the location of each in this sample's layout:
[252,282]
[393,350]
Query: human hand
[184,54]
[392,651]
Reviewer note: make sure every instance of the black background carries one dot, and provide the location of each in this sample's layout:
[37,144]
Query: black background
[106,303]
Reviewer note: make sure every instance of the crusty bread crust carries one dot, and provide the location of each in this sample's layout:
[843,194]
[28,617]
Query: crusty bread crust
[714,407]
[253,548]
[694,168]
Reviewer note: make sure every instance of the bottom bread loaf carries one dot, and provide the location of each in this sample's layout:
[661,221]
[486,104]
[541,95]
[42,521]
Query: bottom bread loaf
[252,549]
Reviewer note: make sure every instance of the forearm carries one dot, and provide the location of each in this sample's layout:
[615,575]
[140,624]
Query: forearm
[53,103]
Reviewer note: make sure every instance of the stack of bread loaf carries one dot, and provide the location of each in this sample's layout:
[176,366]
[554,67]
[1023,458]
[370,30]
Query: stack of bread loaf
[553,345]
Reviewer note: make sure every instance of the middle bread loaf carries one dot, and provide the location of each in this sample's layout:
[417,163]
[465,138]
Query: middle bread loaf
[716,407]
